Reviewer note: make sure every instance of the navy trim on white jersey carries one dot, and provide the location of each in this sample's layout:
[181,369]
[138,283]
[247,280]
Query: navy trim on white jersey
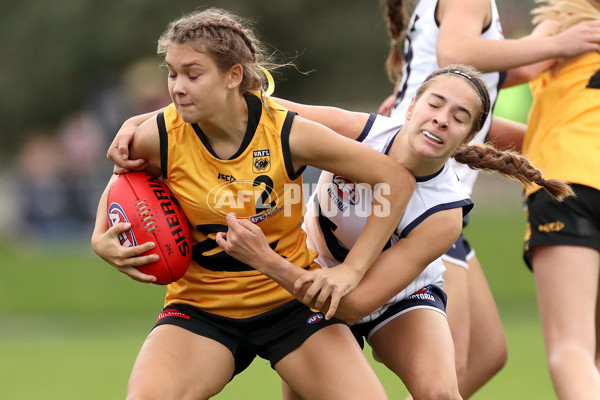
[367,128]
[386,151]
[466,206]
[428,177]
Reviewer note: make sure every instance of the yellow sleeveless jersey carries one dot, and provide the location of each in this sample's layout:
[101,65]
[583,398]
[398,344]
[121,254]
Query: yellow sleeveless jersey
[562,138]
[257,183]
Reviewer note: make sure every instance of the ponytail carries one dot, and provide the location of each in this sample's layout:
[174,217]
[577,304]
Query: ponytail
[396,17]
[512,165]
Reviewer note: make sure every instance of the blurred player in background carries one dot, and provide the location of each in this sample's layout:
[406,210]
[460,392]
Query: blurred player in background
[563,239]
[441,32]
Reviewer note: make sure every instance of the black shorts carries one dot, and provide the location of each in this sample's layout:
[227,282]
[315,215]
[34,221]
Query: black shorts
[271,335]
[430,297]
[575,221]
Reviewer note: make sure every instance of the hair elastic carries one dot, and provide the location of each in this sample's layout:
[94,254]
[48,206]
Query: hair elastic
[264,93]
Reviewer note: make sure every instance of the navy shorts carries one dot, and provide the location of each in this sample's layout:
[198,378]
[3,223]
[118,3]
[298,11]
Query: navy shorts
[575,221]
[430,297]
[461,252]
[271,335]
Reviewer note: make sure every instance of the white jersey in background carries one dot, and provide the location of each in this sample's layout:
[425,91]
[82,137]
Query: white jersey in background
[420,59]
[338,209]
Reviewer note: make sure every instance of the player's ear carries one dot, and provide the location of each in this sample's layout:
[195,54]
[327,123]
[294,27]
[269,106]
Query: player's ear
[410,108]
[235,76]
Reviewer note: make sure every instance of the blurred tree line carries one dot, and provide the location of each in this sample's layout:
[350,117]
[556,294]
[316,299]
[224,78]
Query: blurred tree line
[59,54]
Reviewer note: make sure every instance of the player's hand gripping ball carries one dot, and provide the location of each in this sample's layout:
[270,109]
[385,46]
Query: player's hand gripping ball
[155,216]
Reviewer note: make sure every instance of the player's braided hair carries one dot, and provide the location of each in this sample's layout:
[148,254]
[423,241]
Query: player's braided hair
[223,36]
[396,17]
[511,165]
[567,12]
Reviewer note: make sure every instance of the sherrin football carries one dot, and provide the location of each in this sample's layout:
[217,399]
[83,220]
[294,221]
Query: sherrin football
[155,216]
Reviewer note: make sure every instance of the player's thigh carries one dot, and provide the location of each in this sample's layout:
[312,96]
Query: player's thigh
[598,331]
[457,288]
[287,393]
[566,279]
[418,347]
[175,363]
[330,365]
[486,326]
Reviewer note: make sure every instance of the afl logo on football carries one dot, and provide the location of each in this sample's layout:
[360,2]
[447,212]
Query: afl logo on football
[117,215]
[346,190]
[313,319]
[261,161]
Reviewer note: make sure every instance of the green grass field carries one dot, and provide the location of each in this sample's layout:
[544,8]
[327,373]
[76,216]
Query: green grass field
[71,326]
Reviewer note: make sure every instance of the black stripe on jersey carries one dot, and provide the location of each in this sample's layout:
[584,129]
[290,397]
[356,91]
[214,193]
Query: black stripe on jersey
[254,114]
[337,249]
[367,128]
[204,140]
[285,147]
[203,253]
[465,204]
[594,82]
[164,143]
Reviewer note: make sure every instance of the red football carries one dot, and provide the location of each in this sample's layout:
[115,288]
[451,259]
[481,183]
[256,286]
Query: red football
[155,216]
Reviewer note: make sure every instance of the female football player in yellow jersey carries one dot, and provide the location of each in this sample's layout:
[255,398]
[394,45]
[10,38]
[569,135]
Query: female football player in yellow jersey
[222,146]
[562,243]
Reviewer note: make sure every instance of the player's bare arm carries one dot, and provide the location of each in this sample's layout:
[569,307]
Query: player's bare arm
[118,151]
[316,145]
[346,123]
[146,145]
[459,40]
[403,261]
[105,240]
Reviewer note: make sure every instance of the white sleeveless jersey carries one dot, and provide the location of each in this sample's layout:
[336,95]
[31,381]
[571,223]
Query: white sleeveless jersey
[420,59]
[337,210]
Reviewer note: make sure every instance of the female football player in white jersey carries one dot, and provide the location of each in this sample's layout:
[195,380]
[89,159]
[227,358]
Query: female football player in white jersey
[440,32]
[399,305]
